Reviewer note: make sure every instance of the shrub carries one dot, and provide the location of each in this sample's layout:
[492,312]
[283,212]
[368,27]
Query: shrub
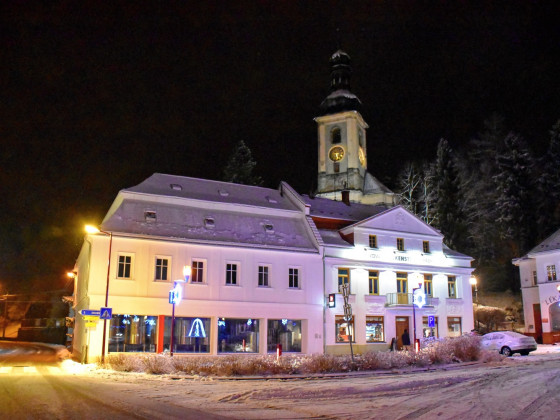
[158,364]
[122,362]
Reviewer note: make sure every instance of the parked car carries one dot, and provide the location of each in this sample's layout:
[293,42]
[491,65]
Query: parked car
[508,343]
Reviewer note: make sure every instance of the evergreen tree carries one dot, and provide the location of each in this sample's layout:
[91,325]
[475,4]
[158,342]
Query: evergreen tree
[548,186]
[239,168]
[446,198]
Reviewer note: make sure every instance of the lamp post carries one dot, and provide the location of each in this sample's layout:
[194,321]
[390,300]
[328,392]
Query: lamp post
[473,281]
[416,300]
[94,230]
[175,298]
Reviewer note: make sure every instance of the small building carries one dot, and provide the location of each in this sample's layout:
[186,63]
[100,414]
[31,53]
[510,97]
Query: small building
[539,283]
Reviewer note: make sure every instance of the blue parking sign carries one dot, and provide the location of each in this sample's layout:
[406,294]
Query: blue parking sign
[431,321]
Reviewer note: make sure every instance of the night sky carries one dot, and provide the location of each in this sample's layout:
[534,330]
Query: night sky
[97,98]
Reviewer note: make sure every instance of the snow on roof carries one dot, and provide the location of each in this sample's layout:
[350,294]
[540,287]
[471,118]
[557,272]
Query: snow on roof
[208,225]
[208,190]
[549,244]
[332,237]
[452,253]
[326,208]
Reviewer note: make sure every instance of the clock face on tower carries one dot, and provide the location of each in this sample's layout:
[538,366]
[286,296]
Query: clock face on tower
[362,156]
[336,154]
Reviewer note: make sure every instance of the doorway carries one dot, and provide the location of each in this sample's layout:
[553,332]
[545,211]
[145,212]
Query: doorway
[401,323]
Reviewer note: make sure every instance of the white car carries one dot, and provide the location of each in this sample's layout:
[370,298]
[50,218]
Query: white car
[508,343]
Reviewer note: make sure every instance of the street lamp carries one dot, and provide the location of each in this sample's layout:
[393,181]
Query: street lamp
[175,298]
[418,298]
[473,281]
[93,230]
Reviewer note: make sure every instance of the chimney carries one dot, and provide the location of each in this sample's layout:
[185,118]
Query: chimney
[346,197]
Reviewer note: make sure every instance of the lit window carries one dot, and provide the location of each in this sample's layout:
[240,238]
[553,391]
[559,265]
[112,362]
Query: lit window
[374,329]
[400,244]
[428,285]
[335,135]
[263,275]
[162,269]
[231,274]
[426,247]
[551,272]
[452,286]
[343,278]
[454,327]
[197,271]
[293,278]
[402,288]
[372,241]
[373,277]
[344,329]
[124,269]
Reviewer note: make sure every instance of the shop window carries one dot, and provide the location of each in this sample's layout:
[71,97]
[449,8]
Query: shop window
[293,278]
[192,335]
[286,332]
[372,241]
[428,285]
[452,287]
[263,276]
[400,244]
[427,331]
[554,312]
[238,335]
[162,269]
[344,329]
[343,278]
[454,327]
[231,274]
[374,329]
[551,272]
[373,277]
[124,269]
[197,271]
[133,333]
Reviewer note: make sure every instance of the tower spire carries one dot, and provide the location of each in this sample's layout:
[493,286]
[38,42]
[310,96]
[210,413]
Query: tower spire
[340,98]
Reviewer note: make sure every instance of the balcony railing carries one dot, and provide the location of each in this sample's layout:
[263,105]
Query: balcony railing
[406,299]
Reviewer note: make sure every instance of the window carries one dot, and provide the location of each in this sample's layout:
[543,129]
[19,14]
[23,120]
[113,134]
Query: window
[124,270]
[372,241]
[453,327]
[263,276]
[293,278]
[286,332]
[452,287]
[427,331]
[400,244]
[426,247]
[343,278]
[162,269]
[428,285]
[238,335]
[374,329]
[231,274]
[373,278]
[335,135]
[551,272]
[534,278]
[133,333]
[197,271]
[192,335]
[344,329]
[402,288]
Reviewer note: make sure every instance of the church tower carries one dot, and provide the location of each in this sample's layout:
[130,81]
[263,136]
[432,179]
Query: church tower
[342,159]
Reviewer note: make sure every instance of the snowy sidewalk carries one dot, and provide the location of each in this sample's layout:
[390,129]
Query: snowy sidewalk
[546,348]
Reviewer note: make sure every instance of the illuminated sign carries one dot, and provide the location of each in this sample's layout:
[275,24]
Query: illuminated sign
[175,294]
[419,298]
[197,328]
[332,301]
[284,322]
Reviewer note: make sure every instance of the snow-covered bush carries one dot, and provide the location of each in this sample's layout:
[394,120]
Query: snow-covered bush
[158,364]
[124,362]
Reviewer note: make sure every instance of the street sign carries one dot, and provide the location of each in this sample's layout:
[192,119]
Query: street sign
[106,313]
[92,312]
[431,321]
[91,318]
[332,300]
[91,324]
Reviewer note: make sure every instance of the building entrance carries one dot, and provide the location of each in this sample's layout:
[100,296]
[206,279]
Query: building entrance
[401,323]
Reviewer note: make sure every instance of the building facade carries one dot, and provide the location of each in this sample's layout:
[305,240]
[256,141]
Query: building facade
[539,290]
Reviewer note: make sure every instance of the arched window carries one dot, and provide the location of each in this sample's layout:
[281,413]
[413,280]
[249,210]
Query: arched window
[554,311]
[335,135]
[360,138]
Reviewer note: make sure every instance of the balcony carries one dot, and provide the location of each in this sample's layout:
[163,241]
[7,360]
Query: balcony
[405,299]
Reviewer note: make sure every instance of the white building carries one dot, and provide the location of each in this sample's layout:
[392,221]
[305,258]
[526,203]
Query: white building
[539,282]
[265,261]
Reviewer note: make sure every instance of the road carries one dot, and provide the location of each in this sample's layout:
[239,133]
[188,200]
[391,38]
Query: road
[520,388]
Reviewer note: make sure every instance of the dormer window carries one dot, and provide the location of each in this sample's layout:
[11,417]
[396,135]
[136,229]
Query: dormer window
[268,228]
[176,187]
[335,135]
[209,222]
[150,216]
[223,193]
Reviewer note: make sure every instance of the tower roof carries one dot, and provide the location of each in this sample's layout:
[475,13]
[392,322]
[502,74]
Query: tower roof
[340,98]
